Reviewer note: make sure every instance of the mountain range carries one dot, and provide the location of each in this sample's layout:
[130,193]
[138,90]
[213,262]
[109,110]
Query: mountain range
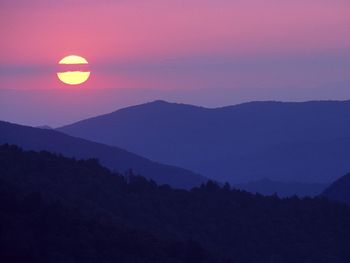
[339,190]
[114,158]
[283,189]
[56,209]
[304,142]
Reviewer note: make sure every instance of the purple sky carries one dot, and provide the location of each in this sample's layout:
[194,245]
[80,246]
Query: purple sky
[208,52]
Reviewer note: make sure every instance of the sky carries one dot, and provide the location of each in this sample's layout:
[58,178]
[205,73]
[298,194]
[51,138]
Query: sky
[204,52]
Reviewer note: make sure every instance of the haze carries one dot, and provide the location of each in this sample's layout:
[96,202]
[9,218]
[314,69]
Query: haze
[211,53]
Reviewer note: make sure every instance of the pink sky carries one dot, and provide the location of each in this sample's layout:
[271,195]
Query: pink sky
[108,31]
[169,45]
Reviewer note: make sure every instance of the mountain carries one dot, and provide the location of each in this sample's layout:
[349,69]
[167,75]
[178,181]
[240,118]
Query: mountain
[339,190]
[304,142]
[283,189]
[112,157]
[44,127]
[56,209]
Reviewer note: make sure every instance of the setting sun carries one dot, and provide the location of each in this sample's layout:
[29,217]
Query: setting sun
[73,77]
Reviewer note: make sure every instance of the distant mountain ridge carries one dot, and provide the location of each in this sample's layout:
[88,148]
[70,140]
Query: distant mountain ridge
[304,142]
[47,127]
[339,190]
[112,157]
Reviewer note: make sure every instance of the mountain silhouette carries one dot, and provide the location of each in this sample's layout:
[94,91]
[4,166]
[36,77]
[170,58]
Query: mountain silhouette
[55,209]
[339,190]
[304,142]
[283,189]
[112,157]
[47,127]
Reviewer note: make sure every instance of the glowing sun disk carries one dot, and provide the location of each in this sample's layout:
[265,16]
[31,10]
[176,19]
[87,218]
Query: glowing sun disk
[73,59]
[73,77]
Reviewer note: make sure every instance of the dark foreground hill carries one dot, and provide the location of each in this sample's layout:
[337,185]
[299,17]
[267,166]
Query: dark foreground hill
[339,190]
[284,142]
[37,225]
[283,189]
[55,209]
[112,157]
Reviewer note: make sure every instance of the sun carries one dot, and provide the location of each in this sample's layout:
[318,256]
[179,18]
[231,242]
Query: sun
[75,77]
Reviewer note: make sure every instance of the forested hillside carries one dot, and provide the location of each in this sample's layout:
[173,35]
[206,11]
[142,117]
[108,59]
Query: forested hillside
[38,139]
[55,209]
